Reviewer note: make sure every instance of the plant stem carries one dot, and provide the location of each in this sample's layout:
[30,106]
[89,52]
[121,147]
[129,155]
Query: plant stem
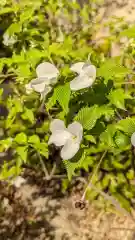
[118,114]
[53,170]
[94,174]
[7,75]
[43,166]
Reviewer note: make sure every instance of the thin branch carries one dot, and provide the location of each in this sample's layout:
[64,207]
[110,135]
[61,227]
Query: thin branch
[118,114]
[7,75]
[43,166]
[94,174]
[51,175]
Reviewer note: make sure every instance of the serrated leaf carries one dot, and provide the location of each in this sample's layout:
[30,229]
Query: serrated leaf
[111,68]
[62,96]
[22,152]
[127,125]
[21,138]
[88,117]
[117,97]
[107,136]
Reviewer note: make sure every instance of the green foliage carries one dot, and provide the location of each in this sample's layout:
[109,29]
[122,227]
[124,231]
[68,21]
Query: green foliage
[62,96]
[130,32]
[35,32]
[117,98]
[112,69]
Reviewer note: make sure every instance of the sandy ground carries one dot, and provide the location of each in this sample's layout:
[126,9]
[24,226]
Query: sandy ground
[39,210]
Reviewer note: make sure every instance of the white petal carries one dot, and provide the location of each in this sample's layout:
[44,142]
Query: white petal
[133,139]
[28,88]
[69,150]
[46,91]
[59,137]
[90,70]
[56,125]
[38,85]
[77,67]
[47,70]
[76,129]
[81,82]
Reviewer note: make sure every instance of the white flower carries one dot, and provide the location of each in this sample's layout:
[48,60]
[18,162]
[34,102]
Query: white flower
[86,75]
[47,75]
[70,137]
[133,139]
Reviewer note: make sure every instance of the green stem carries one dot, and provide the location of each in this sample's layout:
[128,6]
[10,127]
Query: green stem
[43,166]
[93,175]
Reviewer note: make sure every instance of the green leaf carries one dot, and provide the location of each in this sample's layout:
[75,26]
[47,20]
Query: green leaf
[130,174]
[123,201]
[88,117]
[43,149]
[5,144]
[21,138]
[90,138]
[107,137]
[28,115]
[130,32]
[111,68]
[6,10]
[127,125]
[117,164]
[62,96]
[83,163]
[121,140]
[26,15]
[117,97]
[34,139]
[22,152]
[14,28]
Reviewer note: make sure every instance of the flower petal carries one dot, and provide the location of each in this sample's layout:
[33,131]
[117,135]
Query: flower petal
[77,67]
[47,70]
[59,137]
[46,91]
[56,125]
[81,82]
[133,139]
[38,85]
[69,150]
[90,70]
[76,129]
